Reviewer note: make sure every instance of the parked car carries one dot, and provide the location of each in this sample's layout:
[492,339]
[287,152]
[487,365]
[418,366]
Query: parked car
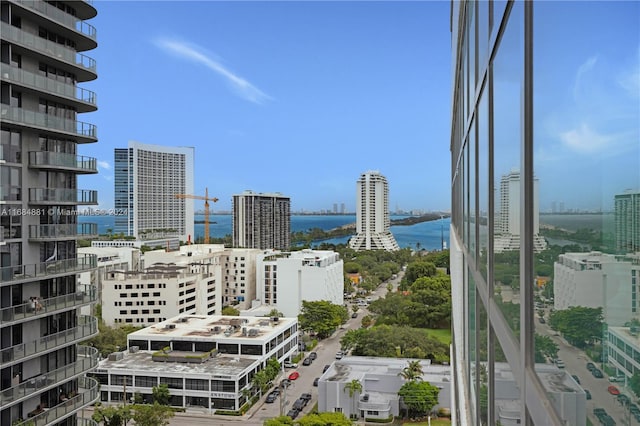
[597,373]
[285,383]
[559,363]
[587,393]
[614,379]
[289,364]
[623,399]
[293,413]
[576,378]
[271,398]
[299,404]
[542,320]
[307,361]
[591,366]
[294,375]
[354,315]
[316,381]
[613,390]
[326,367]
[339,355]
[306,397]
[313,356]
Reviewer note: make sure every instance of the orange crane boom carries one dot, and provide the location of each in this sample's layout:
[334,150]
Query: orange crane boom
[206,199]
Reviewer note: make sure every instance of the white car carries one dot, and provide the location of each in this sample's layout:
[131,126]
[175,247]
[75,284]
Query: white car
[339,355]
[289,364]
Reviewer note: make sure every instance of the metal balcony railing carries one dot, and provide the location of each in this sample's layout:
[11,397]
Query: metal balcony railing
[48,122]
[62,196]
[60,16]
[82,263]
[87,361]
[87,327]
[87,395]
[46,47]
[63,160]
[57,232]
[42,83]
[86,294]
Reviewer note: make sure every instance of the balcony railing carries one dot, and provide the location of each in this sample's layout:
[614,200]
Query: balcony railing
[87,327]
[83,421]
[62,196]
[87,361]
[86,294]
[48,122]
[82,263]
[61,17]
[42,83]
[64,231]
[46,47]
[87,395]
[63,160]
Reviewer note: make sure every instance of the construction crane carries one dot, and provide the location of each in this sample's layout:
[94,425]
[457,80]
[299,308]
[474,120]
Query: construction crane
[206,209]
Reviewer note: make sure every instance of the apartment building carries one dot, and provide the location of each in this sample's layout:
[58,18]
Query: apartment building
[508,113]
[285,279]
[43,63]
[206,361]
[627,221]
[146,180]
[373,222]
[261,220]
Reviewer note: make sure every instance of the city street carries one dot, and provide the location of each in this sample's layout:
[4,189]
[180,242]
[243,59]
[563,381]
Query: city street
[576,363]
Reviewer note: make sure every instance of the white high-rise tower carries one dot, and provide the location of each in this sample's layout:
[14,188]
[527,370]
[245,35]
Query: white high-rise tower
[372,210]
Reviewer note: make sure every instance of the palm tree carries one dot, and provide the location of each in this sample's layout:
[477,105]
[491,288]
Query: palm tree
[354,386]
[412,372]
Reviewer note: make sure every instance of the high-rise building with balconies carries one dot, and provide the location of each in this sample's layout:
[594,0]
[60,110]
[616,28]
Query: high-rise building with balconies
[627,222]
[42,367]
[261,221]
[373,221]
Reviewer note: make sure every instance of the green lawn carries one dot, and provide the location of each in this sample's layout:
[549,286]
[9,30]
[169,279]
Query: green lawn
[442,334]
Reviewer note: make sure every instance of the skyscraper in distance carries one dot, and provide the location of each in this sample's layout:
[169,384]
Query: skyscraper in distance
[261,220]
[373,222]
[627,222]
[43,67]
[146,180]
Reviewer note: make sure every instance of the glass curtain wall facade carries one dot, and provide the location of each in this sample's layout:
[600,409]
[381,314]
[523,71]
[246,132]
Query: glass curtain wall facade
[545,326]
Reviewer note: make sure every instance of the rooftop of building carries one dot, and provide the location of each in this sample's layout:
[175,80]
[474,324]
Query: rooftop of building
[219,365]
[215,327]
[553,378]
[355,367]
[630,334]
[307,256]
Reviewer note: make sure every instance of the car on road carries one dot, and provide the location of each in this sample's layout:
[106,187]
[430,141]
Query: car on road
[623,399]
[354,315]
[294,375]
[559,363]
[306,397]
[587,393]
[285,383]
[316,381]
[597,373]
[299,404]
[369,299]
[313,356]
[326,367]
[613,390]
[307,361]
[576,378]
[289,364]
[614,379]
[542,320]
[271,398]
[339,355]
[293,413]
[591,366]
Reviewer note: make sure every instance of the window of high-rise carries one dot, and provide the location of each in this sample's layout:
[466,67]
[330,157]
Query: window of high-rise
[545,148]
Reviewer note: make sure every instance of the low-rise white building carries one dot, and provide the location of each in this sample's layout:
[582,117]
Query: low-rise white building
[285,279]
[623,350]
[380,381]
[595,280]
[206,361]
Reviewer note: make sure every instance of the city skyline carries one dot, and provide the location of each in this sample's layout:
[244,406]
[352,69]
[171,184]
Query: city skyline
[280,97]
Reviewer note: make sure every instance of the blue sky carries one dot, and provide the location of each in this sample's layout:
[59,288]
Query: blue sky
[291,97]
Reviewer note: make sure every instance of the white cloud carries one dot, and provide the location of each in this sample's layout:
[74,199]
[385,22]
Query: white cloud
[242,87]
[585,140]
[104,165]
[629,79]
[583,69]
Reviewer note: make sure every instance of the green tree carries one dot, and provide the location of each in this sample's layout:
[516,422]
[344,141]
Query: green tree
[579,325]
[230,311]
[111,415]
[322,316]
[634,383]
[272,369]
[367,321]
[412,372]
[259,381]
[278,421]
[152,415]
[324,419]
[351,267]
[419,397]
[545,348]
[161,394]
[419,269]
[353,387]
[275,313]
